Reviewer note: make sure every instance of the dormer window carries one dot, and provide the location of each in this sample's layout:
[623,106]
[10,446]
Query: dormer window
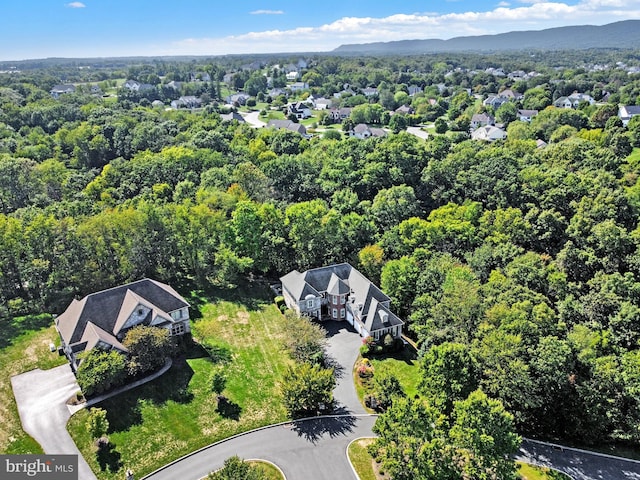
[140,311]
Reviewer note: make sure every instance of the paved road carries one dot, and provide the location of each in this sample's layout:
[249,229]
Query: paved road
[314,449]
[41,396]
[579,464]
[253,119]
[418,132]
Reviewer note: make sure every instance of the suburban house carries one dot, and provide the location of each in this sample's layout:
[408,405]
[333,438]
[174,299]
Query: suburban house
[404,110]
[298,86]
[627,112]
[342,293]
[298,110]
[186,102]
[240,98]
[494,101]
[488,133]
[526,115]
[231,116]
[101,319]
[339,114]
[288,125]
[322,103]
[369,91]
[414,90]
[293,76]
[511,94]
[573,100]
[481,120]
[135,86]
[362,130]
[58,90]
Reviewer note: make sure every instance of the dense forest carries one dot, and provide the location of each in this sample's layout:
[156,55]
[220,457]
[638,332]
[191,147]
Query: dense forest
[527,256]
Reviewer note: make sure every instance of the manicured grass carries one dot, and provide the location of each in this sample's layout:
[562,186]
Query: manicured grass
[404,365]
[361,460]
[24,346]
[366,468]
[271,472]
[177,413]
[532,472]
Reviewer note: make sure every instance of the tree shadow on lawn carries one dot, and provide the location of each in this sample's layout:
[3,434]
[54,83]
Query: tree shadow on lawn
[228,408]
[315,428]
[124,410]
[252,294]
[13,327]
[407,355]
[108,457]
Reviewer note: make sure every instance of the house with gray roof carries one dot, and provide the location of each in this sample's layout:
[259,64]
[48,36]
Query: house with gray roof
[627,112]
[288,125]
[340,292]
[101,319]
[58,90]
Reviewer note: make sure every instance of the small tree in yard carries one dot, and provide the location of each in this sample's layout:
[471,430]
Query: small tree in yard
[387,387]
[307,388]
[237,469]
[148,348]
[218,381]
[97,424]
[308,343]
[101,371]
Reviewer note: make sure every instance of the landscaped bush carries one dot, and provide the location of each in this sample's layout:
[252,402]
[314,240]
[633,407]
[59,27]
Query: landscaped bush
[100,371]
[309,342]
[148,348]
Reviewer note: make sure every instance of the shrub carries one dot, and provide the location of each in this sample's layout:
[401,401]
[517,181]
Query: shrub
[101,371]
[148,347]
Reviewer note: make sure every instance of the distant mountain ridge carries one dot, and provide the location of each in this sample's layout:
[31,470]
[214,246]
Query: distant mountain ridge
[624,34]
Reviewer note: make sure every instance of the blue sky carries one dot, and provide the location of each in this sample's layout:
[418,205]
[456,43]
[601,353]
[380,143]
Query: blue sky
[98,28]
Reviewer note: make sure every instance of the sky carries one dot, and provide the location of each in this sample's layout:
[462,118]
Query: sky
[102,28]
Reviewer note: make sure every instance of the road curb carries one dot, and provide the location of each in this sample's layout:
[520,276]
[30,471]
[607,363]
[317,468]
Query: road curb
[237,435]
[581,450]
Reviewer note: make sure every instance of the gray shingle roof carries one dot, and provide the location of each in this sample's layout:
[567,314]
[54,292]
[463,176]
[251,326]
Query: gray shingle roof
[103,309]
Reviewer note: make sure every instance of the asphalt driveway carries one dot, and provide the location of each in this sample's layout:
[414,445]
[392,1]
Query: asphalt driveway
[342,352]
[41,396]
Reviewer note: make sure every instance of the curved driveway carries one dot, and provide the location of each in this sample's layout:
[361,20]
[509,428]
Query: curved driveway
[41,396]
[311,449]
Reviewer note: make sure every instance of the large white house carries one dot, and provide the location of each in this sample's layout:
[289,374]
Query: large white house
[342,293]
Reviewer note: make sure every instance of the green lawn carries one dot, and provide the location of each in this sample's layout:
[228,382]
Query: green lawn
[531,472]
[23,347]
[176,414]
[271,472]
[361,460]
[367,469]
[403,365]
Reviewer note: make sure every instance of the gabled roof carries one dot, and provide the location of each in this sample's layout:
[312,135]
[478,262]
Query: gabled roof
[367,300]
[379,317]
[102,315]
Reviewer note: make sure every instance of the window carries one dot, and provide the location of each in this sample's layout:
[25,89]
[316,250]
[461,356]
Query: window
[177,329]
[335,300]
[342,313]
[309,303]
[335,313]
[342,300]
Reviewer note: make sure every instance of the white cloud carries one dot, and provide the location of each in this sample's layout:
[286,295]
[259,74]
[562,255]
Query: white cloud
[267,12]
[75,5]
[534,15]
